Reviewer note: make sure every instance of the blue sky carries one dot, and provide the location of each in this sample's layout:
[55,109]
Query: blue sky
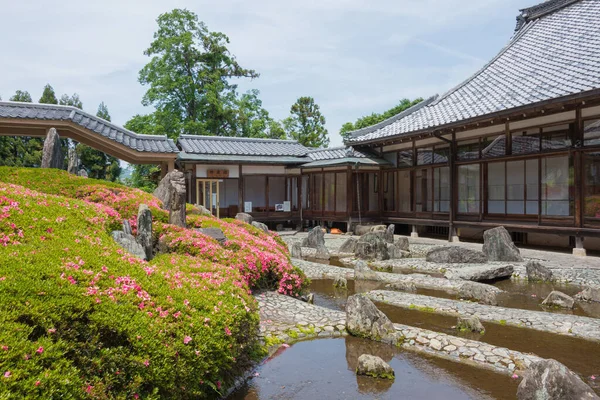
[354,57]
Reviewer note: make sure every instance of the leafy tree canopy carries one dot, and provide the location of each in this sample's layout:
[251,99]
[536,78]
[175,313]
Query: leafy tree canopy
[188,77]
[21,95]
[66,100]
[20,151]
[375,118]
[48,95]
[306,124]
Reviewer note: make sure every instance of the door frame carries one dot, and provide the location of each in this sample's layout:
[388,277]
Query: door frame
[208,183]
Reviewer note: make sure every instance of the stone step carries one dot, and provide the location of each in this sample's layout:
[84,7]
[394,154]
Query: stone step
[562,324]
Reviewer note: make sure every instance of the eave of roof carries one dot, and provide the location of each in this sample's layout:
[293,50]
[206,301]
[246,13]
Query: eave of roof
[222,145]
[347,161]
[241,159]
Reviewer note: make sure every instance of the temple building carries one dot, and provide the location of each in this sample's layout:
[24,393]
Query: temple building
[517,144]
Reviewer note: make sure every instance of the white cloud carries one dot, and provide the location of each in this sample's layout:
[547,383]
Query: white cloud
[353,56]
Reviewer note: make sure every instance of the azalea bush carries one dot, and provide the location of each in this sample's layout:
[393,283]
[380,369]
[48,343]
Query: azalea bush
[83,319]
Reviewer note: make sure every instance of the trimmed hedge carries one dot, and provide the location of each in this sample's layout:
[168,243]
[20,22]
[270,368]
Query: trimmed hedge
[82,319]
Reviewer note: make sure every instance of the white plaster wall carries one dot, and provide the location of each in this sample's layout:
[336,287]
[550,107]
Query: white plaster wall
[550,119]
[201,170]
[263,169]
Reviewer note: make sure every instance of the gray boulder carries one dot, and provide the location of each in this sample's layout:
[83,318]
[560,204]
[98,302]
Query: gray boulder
[362,272]
[396,253]
[485,294]
[470,324]
[322,253]
[52,155]
[374,366]
[388,236]
[455,255]
[82,173]
[498,245]
[402,243]
[349,246]
[309,298]
[407,286]
[296,251]
[127,227]
[538,272]
[73,165]
[144,230]
[215,233]
[558,299]
[340,282]
[200,209]
[260,226]
[480,273]
[315,238]
[363,319]
[171,191]
[550,380]
[360,230]
[372,246]
[247,218]
[129,244]
[590,293]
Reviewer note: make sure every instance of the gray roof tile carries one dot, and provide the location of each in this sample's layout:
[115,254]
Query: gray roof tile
[34,111]
[195,144]
[555,53]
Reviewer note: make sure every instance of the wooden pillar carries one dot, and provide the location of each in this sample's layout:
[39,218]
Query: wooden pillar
[240,189]
[194,184]
[163,169]
[170,165]
[577,139]
[452,234]
[414,233]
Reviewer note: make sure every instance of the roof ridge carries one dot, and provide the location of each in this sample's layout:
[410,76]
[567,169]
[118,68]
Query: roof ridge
[392,119]
[327,149]
[237,138]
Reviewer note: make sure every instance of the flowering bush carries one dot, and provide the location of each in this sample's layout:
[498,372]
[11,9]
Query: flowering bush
[81,318]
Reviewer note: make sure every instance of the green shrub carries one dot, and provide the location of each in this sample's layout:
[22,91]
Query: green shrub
[81,318]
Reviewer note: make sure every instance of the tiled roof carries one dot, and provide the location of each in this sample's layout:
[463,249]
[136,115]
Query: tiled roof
[336,153]
[556,53]
[195,144]
[34,111]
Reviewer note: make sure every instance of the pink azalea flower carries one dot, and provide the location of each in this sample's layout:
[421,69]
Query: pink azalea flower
[52,330]
[515,376]
[37,383]
[187,339]
[5,348]
[40,350]
[285,345]
[146,362]
[7,374]
[227,331]
[593,377]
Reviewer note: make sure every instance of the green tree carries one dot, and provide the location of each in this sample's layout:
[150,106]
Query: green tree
[48,95]
[375,118]
[188,76]
[22,95]
[144,176]
[253,120]
[99,165]
[306,124]
[74,101]
[20,151]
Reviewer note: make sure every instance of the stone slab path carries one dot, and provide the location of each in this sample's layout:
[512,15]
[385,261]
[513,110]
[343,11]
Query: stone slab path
[563,324]
[290,320]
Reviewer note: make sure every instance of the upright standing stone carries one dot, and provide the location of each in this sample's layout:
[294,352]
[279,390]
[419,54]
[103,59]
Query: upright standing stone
[52,155]
[551,380]
[388,236]
[73,161]
[315,238]
[372,246]
[260,226]
[82,173]
[538,272]
[296,250]
[363,319]
[127,227]
[498,245]
[144,230]
[171,191]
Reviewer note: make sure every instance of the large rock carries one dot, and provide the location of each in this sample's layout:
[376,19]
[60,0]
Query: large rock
[349,246]
[372,247]
[82,173]
[590,293]
[247,218]
[52,155]
[362,272]
[144,230]
[498,246]
[200,209]
[402,243]
[480,273]
[455,255]
[363,319]
[340,282]
[360,230]
[171,191]
[550,380]
[322,253]
[127,227]
[129,244]
[73,165]
[558,299]
[315,238]
[374,366]
[215,233]
[470,324]
[260,226]
[395,252]
[296,251]
[538,272]
[388,236]
[407,286]
[485,294]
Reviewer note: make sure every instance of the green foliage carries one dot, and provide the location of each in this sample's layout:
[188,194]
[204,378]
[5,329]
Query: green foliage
[306,124]
[22,96]
[144,177]
[375,118]
[253,120]
[48,95]
[99,165]
[188,76]
[20,151]
[73,101]
[81,318]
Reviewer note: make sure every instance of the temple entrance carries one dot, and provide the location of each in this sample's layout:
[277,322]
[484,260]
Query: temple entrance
[207,194]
